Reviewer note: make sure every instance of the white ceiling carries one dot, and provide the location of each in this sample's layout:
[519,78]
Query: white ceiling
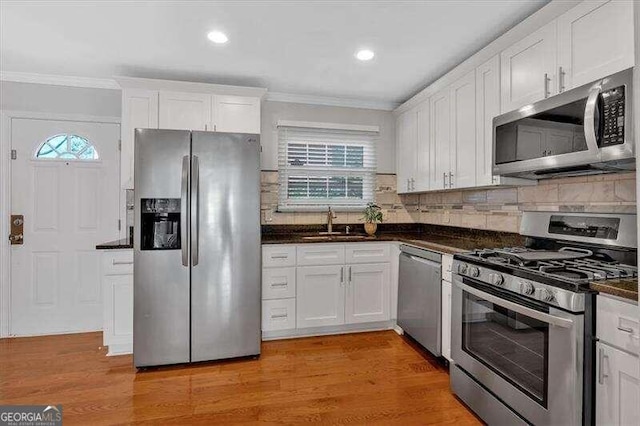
[298,47]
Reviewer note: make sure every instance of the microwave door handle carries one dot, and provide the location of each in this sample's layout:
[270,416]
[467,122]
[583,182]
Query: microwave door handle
[184,211]
[590,121]
[540,316]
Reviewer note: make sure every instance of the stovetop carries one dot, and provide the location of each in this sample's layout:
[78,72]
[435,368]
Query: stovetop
[573,266]
[557,278]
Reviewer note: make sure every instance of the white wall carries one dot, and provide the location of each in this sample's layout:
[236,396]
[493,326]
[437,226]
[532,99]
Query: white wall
[43,98]
[274,111]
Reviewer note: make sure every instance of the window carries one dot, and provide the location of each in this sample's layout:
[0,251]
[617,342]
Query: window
[321,167]
[67,147]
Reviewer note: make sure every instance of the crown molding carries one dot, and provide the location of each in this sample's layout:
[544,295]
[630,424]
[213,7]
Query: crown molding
[59,80]
[331,101]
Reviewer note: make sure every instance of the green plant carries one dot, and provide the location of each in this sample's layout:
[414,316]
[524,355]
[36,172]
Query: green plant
[372,213]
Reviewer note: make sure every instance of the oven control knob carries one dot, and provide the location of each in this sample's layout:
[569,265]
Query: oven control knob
[462,268]
[496,278]
[527,288]
[547,295]
[474,271]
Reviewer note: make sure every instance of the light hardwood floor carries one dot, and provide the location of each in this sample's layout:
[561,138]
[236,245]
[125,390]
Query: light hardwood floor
[366,378]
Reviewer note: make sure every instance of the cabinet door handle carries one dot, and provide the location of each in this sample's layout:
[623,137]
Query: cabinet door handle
[450,180]
[560,80]
[625,329]
[601,374]
[279,316]
[279,284]
[546,85]
[117,262]
[342,275]
[408,184]
[444,179]
[280,256]
[349,274]
[413,184]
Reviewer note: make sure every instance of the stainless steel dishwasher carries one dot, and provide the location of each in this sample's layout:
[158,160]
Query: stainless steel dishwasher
[419,296]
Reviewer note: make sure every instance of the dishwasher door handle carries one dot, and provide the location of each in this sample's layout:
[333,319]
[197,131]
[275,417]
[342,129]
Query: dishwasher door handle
[425,261]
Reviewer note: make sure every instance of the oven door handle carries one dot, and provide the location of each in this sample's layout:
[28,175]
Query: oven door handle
[541,316]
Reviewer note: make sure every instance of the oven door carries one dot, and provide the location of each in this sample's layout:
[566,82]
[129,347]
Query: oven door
[527,354]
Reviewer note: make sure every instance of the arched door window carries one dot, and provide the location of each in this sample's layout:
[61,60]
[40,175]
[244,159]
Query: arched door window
[67,147]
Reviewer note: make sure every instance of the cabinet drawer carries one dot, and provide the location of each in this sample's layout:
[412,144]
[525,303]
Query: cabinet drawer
[278,314]
[447,263]
[320,254]
[278,255]
[367,253]
[617,323]
[278,283]
[118,262]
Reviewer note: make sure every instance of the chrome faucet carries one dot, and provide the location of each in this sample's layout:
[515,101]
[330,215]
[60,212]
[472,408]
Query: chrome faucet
[330,217]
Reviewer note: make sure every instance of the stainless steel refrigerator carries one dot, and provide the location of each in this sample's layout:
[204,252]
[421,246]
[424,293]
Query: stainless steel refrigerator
[196,246]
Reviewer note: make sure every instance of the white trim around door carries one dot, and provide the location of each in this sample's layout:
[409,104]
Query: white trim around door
[5,196]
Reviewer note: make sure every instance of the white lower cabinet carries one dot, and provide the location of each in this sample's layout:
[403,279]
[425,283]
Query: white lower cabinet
[279,314]
[320,296]
[618,387]
[446,320]
[367,288]
[331,288]
[117,287]
[617,363]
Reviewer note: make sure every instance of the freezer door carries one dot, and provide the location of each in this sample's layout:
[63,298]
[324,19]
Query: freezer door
[160,280]
[225,248]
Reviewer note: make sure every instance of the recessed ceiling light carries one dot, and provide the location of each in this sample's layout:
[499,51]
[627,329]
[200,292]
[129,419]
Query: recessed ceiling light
[365,55]
[217,37]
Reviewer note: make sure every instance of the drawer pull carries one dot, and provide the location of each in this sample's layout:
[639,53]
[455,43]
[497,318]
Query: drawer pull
[625,329]
[278,284]
[280,256]
[279,316]
[117,262]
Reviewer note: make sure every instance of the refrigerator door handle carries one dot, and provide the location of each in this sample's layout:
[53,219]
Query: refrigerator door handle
[195,208]
[184,208]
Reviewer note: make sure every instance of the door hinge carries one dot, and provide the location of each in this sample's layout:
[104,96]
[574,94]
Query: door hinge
[14,154]
[119,144]
[119,224]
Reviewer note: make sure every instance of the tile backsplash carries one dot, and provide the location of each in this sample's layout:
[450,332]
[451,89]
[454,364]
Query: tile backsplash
[495,208]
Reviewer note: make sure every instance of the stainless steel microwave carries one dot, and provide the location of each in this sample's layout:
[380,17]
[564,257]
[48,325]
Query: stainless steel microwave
[585,130]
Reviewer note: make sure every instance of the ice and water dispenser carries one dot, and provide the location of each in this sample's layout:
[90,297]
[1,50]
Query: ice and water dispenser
[160,223]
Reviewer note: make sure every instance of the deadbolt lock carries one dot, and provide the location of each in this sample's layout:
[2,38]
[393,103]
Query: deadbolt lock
[17,229]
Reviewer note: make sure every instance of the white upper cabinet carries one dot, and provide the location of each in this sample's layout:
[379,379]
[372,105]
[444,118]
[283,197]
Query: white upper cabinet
[185,111]
[487,107]
[440,139]
[139,111]
[407,146]
[528,69]
[237,114]
[422,175]
[463,132]
[595,39]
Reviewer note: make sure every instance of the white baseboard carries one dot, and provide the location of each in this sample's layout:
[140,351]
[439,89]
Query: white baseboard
[120,349]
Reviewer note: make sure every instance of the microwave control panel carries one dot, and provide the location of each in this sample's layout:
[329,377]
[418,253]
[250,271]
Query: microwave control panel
[613,101]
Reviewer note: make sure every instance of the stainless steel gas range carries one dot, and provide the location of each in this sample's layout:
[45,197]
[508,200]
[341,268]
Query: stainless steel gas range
[523,318]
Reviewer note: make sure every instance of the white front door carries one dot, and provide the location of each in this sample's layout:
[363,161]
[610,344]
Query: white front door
[64,181]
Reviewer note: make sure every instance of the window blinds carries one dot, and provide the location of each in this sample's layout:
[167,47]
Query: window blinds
[320,167]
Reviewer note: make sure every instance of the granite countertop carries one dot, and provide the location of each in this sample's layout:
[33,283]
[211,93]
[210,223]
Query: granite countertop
[626,288]
[121,244]
[443,239]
